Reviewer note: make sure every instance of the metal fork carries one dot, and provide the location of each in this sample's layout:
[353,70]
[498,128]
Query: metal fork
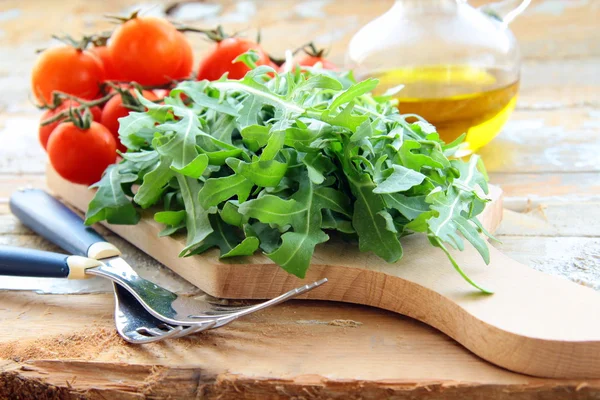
[136,325]
[57,223]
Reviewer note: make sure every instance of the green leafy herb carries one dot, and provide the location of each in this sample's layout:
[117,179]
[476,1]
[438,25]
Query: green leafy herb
[281,162]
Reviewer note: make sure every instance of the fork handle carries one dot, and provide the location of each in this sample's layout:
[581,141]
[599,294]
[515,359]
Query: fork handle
[16,261]
[54,221]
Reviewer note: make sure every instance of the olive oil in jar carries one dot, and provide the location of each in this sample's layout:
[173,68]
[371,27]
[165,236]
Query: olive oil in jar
[456,99]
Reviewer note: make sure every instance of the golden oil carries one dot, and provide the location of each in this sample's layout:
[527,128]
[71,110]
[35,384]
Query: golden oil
[456,99]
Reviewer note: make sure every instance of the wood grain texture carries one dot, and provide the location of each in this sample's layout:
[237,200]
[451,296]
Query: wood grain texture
[563,343]
[301,348]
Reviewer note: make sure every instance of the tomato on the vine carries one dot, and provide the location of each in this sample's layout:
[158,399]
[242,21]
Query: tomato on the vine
[46,130]
[114,109]
[187,58]
[69,70]
[220,60]
[81,155]
[310,60]
[147,50]
[112,73]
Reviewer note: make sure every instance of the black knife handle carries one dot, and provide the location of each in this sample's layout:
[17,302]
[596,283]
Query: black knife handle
[54,221]
[16,261]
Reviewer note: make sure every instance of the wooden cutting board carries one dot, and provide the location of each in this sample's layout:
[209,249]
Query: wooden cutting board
[534,324]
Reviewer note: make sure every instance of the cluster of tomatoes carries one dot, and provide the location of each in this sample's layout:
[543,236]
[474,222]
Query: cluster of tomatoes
[87,86]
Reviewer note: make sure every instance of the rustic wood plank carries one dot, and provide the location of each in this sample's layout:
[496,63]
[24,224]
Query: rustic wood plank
[11,182]
[559,84]
[542,218]
[546,141]
[574,258]
[549,29]
[570,186]
[312,340]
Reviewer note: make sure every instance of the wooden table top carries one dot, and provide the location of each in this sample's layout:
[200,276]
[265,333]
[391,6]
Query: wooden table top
[547,159]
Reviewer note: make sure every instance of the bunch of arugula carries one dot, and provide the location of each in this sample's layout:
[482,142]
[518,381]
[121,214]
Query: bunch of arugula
[274,161]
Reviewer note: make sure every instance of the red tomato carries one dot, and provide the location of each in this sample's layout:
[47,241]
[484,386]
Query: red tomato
[81,155]
[113,110]
[147,50]
[69,70]
[104,54]
[160,93]
[310,61]
[187,60]
[45,130]
[220,60]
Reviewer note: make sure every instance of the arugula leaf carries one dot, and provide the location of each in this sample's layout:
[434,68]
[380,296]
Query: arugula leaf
[318,167]
[470,176]
[182,145]
[246,247]
[136,130]
[409,206]
[437,243]
[269,237]
[258,96]
[217,190]
[230,214]
[196,91]
[450,219]
[346,119]
[229,244]
[110,203]
[263,173]
[331,221]
[170,217]
[353,92]
[270,209]
[297,247]
[274,144]
[370,226]
[416,161]
[400,180]
[197,223]
[154,183]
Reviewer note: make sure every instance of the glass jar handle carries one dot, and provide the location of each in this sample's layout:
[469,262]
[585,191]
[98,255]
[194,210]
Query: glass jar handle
[505,10]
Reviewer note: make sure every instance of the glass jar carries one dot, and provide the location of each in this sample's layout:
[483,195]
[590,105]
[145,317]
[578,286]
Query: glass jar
[459,65]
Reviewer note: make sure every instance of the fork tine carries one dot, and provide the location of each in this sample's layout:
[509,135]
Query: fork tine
[146,331]
[167,331]
[143,335]
[195,329]
[251,309]
[230,308]
[159,331]
[277,300]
